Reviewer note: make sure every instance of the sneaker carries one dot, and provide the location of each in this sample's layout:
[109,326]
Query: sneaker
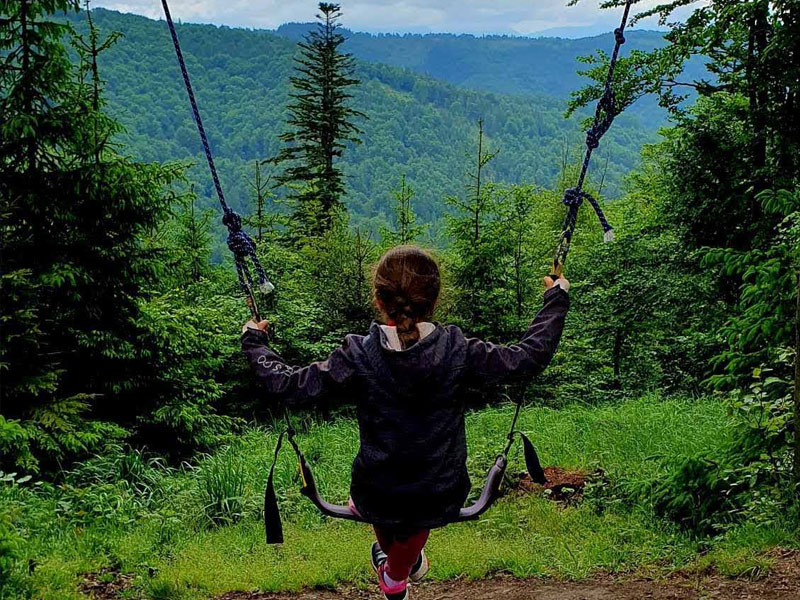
[390,592]
[420,568]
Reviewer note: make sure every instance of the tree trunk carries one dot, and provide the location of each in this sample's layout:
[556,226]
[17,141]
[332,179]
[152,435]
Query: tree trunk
[478,181]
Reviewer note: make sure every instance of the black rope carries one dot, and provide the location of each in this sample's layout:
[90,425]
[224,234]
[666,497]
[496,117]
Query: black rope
[604,114]
[240,244]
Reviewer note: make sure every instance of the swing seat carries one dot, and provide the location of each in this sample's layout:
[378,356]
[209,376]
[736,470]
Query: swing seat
[489,494]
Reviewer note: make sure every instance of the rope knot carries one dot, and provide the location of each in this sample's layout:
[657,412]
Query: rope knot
[240,243]
[232,221]
[573,197]
[619,36]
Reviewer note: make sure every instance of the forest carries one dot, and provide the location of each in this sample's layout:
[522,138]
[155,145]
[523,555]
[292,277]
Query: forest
[135,442]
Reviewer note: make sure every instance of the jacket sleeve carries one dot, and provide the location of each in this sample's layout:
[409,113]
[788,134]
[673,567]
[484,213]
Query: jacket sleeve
[531,355]
[296,385]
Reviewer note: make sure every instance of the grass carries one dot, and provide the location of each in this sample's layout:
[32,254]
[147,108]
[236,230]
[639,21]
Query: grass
[198,532]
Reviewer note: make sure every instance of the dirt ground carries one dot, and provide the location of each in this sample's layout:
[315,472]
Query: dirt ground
[782,584]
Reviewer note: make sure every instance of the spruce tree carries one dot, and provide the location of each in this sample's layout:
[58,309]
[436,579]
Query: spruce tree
[406,230]
[474,228]
[75,257]
[321,124]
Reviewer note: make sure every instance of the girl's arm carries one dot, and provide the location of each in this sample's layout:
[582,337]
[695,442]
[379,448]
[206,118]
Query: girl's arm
[531,355]
[296,385]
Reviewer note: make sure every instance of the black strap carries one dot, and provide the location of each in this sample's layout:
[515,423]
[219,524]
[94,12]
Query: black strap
[272,515]
[532,463]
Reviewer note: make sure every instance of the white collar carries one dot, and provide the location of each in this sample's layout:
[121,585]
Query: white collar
[424,328]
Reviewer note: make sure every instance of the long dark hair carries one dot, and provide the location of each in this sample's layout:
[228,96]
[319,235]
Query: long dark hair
[406,285]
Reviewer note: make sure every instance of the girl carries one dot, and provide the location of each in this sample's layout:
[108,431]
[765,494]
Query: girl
[406,379]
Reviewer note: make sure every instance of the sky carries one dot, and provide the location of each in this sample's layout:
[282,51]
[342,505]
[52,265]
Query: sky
[513,17]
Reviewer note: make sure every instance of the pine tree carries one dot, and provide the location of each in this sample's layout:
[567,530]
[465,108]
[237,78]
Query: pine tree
[262,192]
[473,228]
[321,124]
[193,240]
[75,259]
[406,229]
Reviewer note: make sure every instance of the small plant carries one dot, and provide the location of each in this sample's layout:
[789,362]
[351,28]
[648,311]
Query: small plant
[221,485]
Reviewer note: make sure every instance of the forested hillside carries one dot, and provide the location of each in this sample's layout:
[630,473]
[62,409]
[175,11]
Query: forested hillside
[416,126]
[505,64]
[501,64]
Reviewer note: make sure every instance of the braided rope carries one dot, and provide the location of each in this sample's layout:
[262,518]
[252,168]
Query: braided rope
[604,115]
[239,242]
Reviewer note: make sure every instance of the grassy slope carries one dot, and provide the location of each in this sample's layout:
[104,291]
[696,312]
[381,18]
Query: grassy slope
[525,536]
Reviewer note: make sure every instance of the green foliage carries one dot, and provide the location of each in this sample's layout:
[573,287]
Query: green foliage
[12,555]
[15,445]
[724,162]
[648,307]
[477,249]
[191,241]
[763,324]
[694,494]
[187,332]
[74,262]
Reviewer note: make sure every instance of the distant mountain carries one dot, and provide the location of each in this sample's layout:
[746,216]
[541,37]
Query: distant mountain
[501,64]
[417,126]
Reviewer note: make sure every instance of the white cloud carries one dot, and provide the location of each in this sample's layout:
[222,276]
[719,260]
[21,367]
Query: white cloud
[456,16]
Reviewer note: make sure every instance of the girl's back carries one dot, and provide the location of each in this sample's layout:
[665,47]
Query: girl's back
[406,379]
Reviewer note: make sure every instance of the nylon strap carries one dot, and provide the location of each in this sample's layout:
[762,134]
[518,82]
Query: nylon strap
[272,515]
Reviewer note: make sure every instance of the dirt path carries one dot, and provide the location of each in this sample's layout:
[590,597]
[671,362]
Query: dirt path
[782,584]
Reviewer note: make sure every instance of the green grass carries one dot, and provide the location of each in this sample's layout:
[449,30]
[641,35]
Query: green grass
[199,531]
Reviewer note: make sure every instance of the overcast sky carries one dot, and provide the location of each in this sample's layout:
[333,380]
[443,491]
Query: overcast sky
[519,17]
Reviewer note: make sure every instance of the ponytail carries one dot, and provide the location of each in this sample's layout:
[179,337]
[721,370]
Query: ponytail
[406,286]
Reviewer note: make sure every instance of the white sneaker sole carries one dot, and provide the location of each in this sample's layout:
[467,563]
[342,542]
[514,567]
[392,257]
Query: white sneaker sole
[419,575]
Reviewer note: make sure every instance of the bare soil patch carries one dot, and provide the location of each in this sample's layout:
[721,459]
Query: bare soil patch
[563,486]
[106,584]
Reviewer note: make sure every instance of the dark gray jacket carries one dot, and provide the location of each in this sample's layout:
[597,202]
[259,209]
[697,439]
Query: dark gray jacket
[410,472]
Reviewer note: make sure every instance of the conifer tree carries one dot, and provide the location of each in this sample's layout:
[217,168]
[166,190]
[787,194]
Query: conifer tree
[74,256]
[193,239]
[406,229]
[321,124]
[475,229]
[262,192]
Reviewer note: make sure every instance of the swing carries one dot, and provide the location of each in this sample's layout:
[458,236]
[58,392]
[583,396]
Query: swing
[244,253]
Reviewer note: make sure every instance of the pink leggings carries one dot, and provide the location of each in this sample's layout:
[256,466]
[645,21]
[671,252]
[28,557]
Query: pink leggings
[402,549]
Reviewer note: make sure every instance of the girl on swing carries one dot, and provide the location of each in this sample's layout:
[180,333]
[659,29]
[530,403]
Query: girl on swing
[406,378]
